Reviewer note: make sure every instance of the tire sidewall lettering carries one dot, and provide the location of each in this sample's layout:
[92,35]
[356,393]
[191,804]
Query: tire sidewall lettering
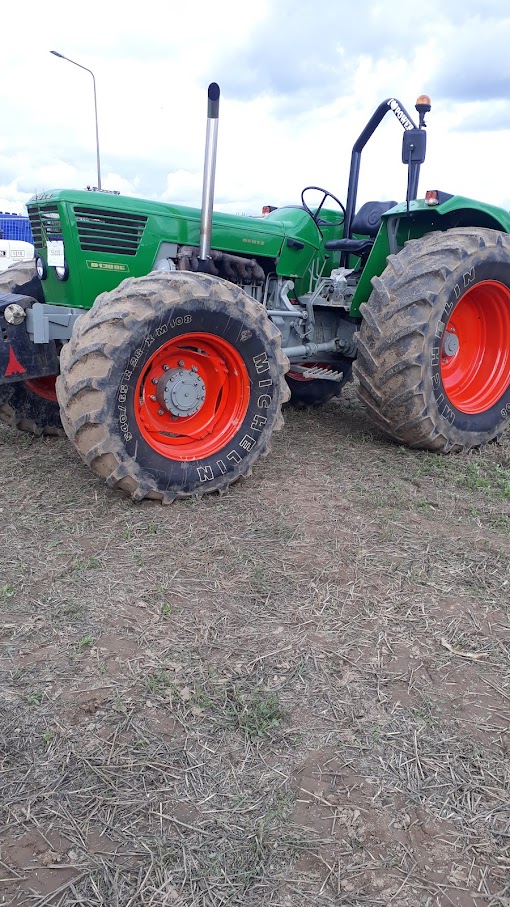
[262,409]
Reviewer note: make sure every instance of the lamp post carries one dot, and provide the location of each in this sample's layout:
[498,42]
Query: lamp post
[62,57]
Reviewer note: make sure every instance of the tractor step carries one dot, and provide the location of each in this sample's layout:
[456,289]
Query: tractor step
[317,371]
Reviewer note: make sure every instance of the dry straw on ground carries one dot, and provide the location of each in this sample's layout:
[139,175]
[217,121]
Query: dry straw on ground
[296,694]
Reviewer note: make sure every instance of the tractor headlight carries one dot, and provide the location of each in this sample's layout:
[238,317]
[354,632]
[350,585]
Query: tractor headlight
[62,272]
[41,269]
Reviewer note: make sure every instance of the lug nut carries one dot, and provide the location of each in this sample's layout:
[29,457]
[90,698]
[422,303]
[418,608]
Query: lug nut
[181,363]
[194,368]
[155,380]
[165,368]
[161,412]
[152,397]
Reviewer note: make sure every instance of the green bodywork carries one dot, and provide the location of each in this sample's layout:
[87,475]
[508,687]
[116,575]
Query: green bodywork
[421,219]
[92,226]
[109,237]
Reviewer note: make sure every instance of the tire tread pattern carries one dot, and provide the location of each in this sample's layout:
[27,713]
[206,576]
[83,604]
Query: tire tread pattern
[391,365]
[88,359]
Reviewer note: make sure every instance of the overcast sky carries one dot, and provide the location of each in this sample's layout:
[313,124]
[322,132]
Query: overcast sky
[299,79]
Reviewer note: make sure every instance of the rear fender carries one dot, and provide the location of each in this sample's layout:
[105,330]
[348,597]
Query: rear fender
[399,226]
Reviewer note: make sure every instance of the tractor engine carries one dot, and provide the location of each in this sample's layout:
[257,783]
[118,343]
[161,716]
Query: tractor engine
[239,270]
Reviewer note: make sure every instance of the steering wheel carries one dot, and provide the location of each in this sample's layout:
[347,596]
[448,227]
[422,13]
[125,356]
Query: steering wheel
[325,195]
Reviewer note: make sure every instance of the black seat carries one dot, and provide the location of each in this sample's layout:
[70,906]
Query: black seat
[366,221]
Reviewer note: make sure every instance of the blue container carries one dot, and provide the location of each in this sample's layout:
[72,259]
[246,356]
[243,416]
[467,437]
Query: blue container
[15,226]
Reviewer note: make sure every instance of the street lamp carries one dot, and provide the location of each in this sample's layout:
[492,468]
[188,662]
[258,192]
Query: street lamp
[56,54]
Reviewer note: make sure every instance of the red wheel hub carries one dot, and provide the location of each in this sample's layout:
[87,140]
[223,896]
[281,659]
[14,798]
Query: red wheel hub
[192,396]
[475,356]
[43,387]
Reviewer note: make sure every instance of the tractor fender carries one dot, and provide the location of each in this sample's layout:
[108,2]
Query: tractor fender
[400,225]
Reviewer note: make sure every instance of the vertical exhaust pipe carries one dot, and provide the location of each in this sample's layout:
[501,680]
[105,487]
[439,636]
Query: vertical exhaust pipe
[211,141]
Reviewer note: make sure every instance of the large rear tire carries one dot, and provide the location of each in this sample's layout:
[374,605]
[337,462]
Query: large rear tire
[172,384]
[30,406]
[434,348]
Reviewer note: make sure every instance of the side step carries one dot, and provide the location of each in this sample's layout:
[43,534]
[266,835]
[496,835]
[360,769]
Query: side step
[317,371]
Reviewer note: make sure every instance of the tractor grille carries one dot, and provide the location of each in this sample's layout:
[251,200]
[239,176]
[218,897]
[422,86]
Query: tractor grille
[109,231]
[45,225]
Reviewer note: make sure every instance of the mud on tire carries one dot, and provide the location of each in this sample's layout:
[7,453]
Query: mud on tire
[434,349]
[172,384]
[23,408]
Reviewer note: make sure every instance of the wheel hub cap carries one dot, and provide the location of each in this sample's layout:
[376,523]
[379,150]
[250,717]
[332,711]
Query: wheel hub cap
[451,344]
[181,392]
[192,396]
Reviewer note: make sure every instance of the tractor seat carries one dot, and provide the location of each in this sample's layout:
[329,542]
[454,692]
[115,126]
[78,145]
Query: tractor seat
[366,221]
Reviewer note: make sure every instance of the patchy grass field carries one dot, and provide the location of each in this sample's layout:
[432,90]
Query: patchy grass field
[297,694]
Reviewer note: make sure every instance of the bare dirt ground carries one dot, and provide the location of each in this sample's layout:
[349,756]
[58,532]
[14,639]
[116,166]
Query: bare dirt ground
[297,694]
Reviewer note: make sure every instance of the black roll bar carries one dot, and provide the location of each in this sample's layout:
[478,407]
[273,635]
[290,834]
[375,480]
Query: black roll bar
[414,168]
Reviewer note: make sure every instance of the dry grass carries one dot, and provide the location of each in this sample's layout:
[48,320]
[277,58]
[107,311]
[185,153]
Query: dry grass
[295,694]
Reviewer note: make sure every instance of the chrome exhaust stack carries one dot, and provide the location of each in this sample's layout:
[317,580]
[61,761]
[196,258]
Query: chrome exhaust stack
[211,141]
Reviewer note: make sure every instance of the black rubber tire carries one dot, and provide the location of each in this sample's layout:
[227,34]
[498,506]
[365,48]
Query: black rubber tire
[100,371]
[25,410]
[21,278]
[398,364]
[318,391]
[21,407]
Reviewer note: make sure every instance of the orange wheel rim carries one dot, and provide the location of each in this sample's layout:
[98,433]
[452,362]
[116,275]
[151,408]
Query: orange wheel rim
[192,396]
[475,356]
[43,387]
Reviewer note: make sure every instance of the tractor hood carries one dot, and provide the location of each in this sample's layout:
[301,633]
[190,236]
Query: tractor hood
[239,234]
[106,237]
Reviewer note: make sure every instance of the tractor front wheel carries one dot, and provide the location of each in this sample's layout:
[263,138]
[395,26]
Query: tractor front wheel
[434,349]
[172,384]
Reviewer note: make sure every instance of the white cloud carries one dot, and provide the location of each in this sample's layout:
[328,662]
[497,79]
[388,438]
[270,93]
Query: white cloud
[183,187]
[299,81]
[10,205]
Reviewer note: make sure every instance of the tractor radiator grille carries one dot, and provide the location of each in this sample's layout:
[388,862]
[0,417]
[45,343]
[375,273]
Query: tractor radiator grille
[45,225]
[109,231]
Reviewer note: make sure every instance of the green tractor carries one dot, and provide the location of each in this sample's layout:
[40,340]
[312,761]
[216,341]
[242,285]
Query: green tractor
[164,340]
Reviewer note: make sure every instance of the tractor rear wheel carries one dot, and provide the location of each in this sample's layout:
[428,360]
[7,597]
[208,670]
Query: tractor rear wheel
[30,406]
[172,384]
[434,349]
